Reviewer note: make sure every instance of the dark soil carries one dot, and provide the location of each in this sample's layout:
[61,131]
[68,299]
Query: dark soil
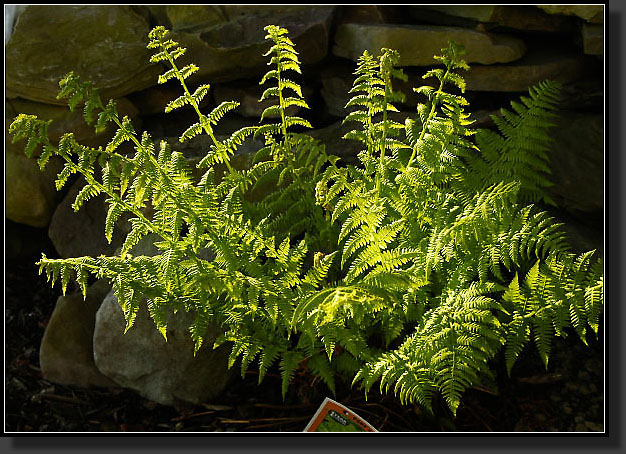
[566,398]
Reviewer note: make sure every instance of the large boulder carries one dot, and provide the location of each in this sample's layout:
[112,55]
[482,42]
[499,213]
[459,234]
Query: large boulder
[418,43]
[166,372]
[31,195]
[66,351]
[105,44]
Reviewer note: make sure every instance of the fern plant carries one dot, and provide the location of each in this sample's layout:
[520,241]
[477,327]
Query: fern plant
[413,269]
[441,248]
[257,275]
[296,158]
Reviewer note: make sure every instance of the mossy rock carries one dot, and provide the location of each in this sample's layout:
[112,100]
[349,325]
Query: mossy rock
[418,43]
[104,44]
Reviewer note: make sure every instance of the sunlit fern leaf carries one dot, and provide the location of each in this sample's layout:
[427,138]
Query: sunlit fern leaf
[87,192]
[289,362]
[320,365]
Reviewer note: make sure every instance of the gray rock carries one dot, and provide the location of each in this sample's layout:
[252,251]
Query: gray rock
[64,120]
[153,100]
[593,39]
[527,18]
[31,195]
[190,17]
[81,233]
[335,90]
[66,352]
[247,93]
[577,162]
[535,67]
[418,43]
[105,44]
[234,49]
[361,14]
[163,371]
[332,137]
[590,13]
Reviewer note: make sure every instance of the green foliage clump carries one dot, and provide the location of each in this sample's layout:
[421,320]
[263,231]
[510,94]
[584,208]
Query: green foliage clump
[413,269]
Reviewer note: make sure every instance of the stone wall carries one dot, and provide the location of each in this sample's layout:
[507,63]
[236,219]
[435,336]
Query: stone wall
[509,48]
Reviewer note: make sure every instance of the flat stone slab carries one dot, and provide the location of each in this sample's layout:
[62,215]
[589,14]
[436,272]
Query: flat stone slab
[519,17]
[554,64]
[593,39]
[590,13]
[417,44]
